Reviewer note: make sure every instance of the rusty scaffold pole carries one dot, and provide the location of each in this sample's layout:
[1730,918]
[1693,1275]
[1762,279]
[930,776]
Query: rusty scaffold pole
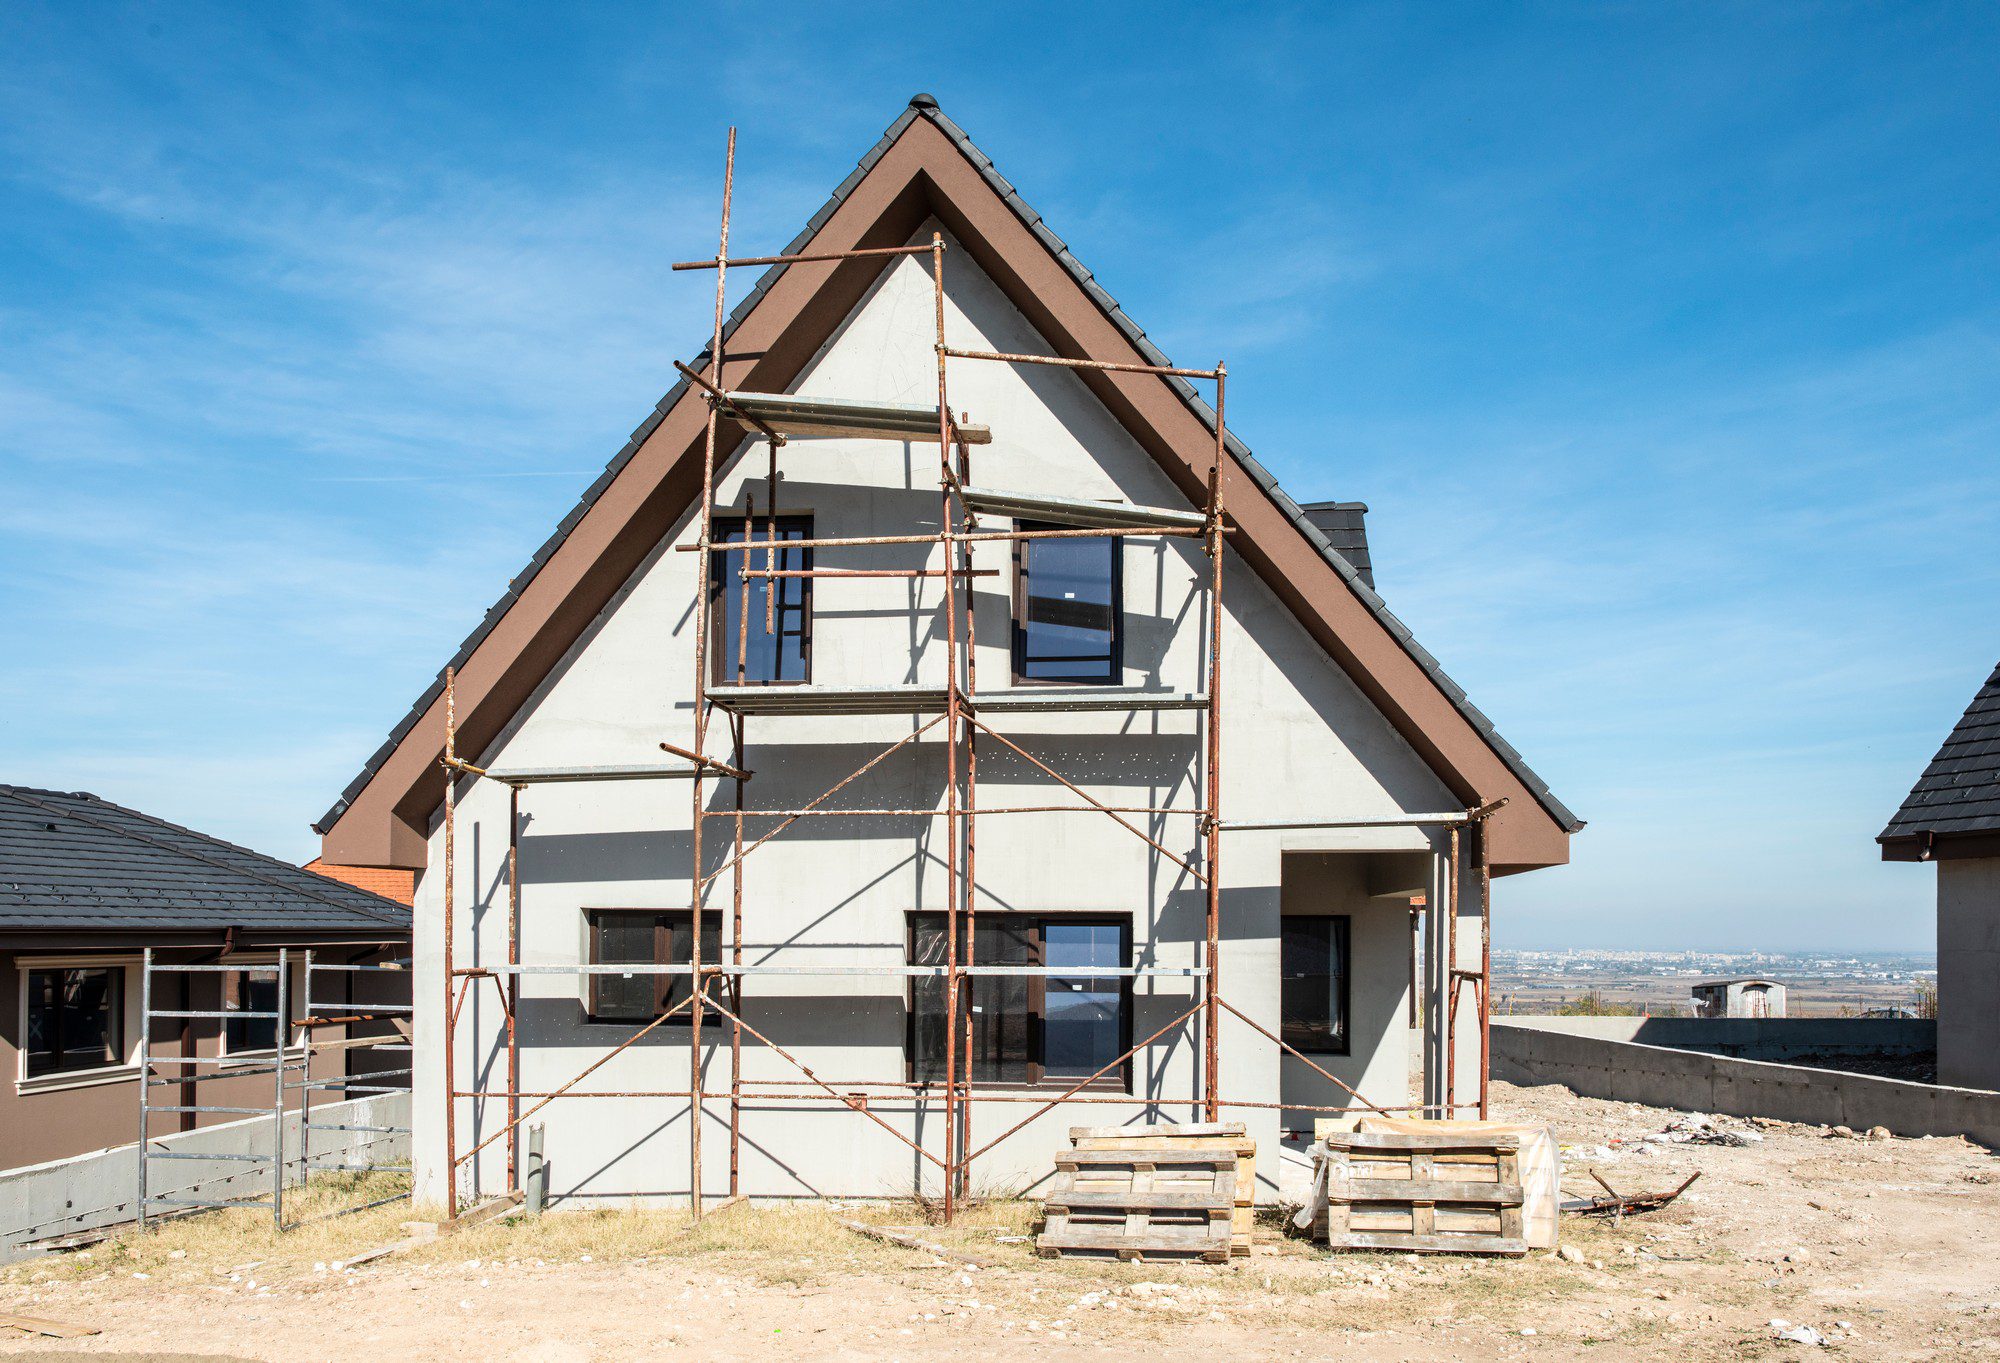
[697,884]
[1212,867]
[953,737]
[449,916]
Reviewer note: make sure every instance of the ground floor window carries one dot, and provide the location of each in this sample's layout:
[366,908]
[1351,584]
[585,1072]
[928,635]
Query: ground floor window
[253,992]
[1029,1029]
[76,1019]
[646,937]
[1313,995]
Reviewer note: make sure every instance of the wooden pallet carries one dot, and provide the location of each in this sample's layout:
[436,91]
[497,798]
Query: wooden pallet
[1140,1203]
[1190,1136]
[1431,1194]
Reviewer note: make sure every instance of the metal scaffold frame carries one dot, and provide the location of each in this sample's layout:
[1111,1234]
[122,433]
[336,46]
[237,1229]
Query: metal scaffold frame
[957,708]
[290,1065]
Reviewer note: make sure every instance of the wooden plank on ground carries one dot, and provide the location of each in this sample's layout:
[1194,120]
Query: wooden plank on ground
[54,1329]
[906,1239]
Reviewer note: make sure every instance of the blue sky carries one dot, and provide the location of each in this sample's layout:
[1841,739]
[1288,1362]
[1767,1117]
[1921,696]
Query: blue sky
[1663,341]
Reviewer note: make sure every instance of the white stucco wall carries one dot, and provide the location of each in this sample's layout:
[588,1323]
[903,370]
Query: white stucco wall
[1299,741]
[1968,953]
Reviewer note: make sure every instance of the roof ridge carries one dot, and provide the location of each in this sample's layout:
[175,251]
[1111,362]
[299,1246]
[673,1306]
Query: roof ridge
[391,916]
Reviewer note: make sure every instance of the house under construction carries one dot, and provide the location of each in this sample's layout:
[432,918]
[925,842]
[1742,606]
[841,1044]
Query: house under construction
[933,730]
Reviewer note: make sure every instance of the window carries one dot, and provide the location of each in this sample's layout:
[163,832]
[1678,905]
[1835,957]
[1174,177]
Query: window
[1067,624]
[784,652]
[252,991]
[1029,1029]
[1313,1000]
[76,1019]
[646,937]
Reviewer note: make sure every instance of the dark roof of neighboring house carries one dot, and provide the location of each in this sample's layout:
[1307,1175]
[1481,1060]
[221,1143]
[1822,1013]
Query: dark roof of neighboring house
[925,106]
[69,860]
[1959,792]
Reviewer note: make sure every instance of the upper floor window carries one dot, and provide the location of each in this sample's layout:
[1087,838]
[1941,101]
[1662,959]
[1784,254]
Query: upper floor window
[1312,1005]
[754,654]
[1067,609]
[76,1019]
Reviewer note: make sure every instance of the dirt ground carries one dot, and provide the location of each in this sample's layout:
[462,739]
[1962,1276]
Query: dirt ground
[1889,1249]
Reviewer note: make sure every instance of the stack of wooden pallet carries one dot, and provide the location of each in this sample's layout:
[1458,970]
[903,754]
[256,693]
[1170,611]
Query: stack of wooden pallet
[1152,1192]
[1444,1193]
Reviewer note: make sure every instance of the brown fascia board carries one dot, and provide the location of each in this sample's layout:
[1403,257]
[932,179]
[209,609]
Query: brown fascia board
[131,939]
[924,171]
[1940,846]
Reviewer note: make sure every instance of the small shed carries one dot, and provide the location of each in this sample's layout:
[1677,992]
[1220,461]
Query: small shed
[1747,998]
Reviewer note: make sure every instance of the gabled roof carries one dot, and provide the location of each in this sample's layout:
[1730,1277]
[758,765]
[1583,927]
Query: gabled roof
[925,166]
[71,861]
[1955,806]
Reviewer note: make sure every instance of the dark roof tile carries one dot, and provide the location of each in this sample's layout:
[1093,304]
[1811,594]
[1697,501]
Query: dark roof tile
[1959,791]
[72,860]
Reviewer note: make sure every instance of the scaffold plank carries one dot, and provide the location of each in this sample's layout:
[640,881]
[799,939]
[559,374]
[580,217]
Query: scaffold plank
[1077,511]
[855,418]
[529,776]
[913,699]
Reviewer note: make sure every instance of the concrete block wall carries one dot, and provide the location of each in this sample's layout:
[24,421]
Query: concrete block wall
[88,1192]
[1548,1051]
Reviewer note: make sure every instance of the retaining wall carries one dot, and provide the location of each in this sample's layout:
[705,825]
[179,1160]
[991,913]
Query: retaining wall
[88,1192]
[1573,1052]
[1752,1038]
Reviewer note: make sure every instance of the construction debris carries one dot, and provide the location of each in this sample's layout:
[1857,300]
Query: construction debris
[1698,1128]
[1618,1205]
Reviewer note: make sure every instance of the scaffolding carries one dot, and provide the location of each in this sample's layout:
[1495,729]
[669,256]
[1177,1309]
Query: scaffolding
[962,710]
[297,1026]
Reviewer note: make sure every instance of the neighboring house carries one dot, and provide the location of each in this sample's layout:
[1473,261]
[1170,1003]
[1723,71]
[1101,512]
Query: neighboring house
[1952,817]
[386,881]
[86,886]
[1333,713]
[1739,999]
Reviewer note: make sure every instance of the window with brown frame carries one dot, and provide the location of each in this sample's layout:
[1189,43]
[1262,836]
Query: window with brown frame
[781,655]
[646,937]
[1312,1005]
[76,1019]
[1068,609]
[1029,1029]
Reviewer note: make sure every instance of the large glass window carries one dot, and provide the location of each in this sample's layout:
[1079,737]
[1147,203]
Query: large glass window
[1313,997]
[647,937]
[76,1019]
[1028,1029]
[782,653]
[1067,609]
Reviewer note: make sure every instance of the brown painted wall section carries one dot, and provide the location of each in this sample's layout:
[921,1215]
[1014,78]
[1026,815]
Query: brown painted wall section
[55,1124]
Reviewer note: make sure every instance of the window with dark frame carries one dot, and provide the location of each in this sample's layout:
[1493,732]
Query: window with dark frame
[1312,1006]
[647,937]
[76,1019]
[1029,1029]
[781,655]
[1068,609]
[252,990]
